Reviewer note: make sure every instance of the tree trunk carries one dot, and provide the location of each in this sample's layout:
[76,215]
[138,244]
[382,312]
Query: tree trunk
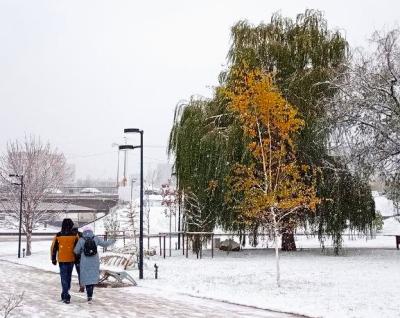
[196,243]
[148,238]
[28,243]
[288,242]
[278,274]
[276,236]
[175,220]
[244,240]
[255,237]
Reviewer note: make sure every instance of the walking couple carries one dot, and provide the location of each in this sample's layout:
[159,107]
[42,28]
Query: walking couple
[71,247]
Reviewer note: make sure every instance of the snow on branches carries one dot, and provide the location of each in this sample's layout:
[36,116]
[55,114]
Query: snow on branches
[44,169]
[366,111]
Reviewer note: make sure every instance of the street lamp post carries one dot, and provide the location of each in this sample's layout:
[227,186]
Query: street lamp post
[113,145]
[21,184]
[122,147]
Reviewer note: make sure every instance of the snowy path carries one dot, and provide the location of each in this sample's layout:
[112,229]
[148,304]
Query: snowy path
[42,291]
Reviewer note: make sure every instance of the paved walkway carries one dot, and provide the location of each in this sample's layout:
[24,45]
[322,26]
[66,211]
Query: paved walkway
[42,291]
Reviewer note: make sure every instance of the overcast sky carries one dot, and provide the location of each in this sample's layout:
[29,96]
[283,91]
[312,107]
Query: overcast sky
[76,73]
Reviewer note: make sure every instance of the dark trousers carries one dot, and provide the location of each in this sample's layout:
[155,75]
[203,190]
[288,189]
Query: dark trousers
[78,270]
[89,290]
[66,274]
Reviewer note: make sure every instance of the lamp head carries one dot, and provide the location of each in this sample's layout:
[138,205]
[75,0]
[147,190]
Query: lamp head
[132,130]
[125,147]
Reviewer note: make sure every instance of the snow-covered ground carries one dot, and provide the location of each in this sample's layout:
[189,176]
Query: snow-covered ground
[362,282]
[42,291]
[6,228]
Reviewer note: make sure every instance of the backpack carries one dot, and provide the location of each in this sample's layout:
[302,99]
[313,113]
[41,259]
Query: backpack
[89,248]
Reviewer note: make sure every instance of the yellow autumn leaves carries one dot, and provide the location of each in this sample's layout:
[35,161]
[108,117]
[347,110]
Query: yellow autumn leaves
[274,181]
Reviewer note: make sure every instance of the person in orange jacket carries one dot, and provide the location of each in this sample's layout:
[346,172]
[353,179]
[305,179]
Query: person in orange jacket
[62,249]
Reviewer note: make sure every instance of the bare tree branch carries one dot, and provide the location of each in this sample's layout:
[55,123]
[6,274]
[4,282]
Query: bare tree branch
[11,302]
[365,114]
[43,169]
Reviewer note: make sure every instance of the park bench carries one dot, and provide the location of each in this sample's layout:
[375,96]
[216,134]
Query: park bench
[397,241]
[115,265]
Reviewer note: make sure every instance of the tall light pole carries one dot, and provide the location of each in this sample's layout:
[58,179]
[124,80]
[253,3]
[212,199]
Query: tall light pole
[114,144]
[122,147]
[21,184]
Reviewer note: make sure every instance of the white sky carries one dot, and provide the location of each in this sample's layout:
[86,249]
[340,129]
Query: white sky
[77,72]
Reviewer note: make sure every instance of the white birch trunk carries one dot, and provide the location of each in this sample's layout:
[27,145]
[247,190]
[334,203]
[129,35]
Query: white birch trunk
[276,243]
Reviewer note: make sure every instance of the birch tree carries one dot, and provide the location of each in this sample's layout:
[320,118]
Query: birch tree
[44,168]
[273,188]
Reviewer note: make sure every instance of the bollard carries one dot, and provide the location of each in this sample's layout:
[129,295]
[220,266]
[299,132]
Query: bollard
[23,252]
[155,271]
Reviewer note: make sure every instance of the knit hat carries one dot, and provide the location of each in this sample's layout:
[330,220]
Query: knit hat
[87,228]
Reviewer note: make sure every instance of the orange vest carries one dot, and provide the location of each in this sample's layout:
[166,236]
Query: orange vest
[62,247]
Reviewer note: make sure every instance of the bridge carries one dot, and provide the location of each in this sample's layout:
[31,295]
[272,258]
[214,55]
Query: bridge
[98,202]
[71,202]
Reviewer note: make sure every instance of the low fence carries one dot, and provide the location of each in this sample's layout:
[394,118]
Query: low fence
[185,240]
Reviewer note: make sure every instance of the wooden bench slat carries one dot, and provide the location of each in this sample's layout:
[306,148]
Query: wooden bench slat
[114,266]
